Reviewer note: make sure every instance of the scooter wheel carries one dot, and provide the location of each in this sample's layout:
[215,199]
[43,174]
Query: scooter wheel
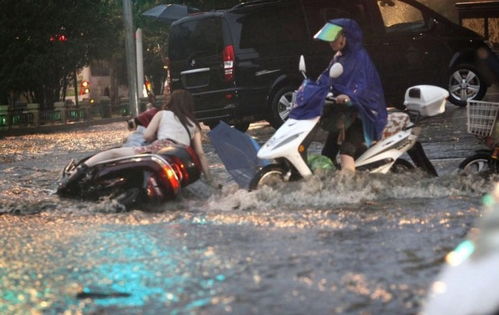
[127,197]
[401,166]
[270,175]
[480,163]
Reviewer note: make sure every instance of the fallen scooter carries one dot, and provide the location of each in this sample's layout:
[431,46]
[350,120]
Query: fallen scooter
[287,148]
[139,179]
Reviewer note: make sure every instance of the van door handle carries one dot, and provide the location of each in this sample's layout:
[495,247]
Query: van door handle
[195,71]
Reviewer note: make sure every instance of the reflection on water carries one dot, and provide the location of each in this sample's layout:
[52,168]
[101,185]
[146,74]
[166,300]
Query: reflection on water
[332,244]
[113,268]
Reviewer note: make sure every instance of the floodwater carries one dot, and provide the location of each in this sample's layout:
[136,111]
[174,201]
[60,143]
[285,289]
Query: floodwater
[335,244]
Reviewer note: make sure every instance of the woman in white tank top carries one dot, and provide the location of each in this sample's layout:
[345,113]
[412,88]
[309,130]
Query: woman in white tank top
[170,127]
[176,124]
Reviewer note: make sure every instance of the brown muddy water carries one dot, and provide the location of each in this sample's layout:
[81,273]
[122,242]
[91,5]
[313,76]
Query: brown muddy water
[335,244]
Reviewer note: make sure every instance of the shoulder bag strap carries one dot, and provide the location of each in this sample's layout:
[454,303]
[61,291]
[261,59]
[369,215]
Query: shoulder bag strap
[188,132]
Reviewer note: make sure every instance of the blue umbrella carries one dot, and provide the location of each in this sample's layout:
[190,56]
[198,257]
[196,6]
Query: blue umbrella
[238,152]
[169,13]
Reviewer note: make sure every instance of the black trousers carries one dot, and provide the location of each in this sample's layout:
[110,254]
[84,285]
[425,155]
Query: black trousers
[353,144]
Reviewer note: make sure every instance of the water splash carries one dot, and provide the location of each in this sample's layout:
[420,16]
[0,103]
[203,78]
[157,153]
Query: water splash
[336,189]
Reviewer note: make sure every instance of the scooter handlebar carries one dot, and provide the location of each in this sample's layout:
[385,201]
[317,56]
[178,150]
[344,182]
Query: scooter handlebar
[330,98]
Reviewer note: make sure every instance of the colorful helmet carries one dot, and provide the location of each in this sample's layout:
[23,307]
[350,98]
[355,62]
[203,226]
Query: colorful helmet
[329,32]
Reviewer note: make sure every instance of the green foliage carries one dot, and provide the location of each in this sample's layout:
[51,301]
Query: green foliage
[36,60]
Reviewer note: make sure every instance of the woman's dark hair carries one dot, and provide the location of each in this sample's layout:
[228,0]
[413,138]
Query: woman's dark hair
[182,105]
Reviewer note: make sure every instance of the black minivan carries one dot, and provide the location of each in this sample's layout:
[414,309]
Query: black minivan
[241,64]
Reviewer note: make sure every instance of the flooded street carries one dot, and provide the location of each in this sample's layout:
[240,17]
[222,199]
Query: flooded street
[369,244]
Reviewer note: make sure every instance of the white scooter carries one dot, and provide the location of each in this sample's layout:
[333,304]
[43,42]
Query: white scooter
[287,148]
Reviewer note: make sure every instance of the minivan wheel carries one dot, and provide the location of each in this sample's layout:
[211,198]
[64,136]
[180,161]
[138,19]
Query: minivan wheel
[465,83]
[281,106]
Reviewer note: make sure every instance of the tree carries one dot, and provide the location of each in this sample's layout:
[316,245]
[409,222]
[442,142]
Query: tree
[44,42]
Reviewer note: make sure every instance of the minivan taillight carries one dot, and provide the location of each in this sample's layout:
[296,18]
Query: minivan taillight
[228,60]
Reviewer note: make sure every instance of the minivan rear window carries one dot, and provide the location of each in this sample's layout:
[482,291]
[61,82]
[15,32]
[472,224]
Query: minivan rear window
[203,36]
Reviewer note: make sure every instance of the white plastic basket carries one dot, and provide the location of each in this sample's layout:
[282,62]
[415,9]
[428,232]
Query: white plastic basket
[481,117]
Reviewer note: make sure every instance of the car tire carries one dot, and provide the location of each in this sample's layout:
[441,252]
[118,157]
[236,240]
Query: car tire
[280,106]
[465,83]
[126,198]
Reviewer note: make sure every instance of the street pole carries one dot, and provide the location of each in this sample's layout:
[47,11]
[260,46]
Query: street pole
[75,82]
[140,62]
[130,58]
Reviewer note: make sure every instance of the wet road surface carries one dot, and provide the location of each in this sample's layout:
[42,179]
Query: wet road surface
[369,244]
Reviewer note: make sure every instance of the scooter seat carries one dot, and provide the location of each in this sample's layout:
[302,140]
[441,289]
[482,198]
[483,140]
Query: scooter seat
[397,121]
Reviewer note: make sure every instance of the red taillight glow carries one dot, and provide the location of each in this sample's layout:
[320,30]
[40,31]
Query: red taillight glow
[180,170]
[172,178]
[183,170]
[228,60]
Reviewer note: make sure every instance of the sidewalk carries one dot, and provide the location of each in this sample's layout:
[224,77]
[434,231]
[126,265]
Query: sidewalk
[58,127]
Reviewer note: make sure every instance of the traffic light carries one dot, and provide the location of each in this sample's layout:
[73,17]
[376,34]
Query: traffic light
[84,87]
[58,38]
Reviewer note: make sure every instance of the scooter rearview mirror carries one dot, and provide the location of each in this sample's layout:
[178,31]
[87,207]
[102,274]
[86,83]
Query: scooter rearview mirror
[336,70]
[301,66]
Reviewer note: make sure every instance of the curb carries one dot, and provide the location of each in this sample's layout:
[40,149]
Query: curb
[57,128]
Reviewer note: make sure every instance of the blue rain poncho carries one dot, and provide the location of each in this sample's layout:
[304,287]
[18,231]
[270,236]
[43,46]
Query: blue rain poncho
[360,81]
[310,98]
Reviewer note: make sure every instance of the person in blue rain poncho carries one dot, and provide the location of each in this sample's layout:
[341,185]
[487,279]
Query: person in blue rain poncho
[360,87]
